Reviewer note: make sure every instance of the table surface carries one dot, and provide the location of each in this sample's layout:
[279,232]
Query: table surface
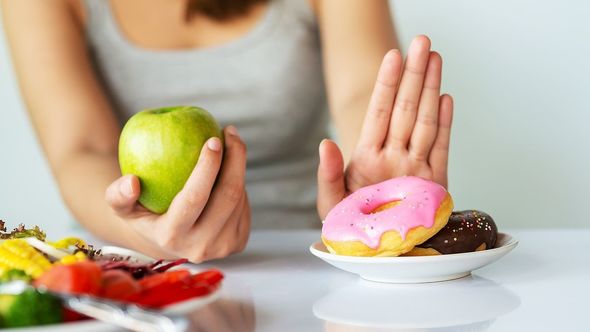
[277,285]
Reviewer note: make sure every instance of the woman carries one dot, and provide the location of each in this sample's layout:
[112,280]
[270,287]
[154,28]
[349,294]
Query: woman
[266,67]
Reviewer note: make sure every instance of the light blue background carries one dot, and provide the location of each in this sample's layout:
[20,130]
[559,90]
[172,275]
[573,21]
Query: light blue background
[519,72]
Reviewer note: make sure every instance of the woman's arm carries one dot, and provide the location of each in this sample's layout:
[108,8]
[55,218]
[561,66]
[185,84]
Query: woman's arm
[355,36]
[72,117]
[79,134]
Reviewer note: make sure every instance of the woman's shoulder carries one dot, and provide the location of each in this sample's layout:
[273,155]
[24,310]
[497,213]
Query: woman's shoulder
[58,13]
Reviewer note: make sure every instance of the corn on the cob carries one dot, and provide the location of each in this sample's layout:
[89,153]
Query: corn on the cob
[18,254]
[68,241]
[3,268]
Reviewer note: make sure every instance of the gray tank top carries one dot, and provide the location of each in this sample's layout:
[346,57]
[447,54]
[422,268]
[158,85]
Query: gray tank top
[268,84]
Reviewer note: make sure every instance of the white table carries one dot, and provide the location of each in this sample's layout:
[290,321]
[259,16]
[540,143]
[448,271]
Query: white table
[277,285]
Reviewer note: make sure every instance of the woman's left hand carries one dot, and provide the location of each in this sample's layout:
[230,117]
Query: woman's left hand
[406,130]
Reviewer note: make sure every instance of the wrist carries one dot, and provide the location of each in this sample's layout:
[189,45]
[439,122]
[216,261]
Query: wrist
[130,238]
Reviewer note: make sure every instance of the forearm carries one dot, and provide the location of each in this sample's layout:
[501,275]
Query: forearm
[355,36]
[348,105]
[350,101]
[83,178]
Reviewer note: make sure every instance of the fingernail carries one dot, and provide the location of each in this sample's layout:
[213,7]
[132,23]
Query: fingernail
[414,45]
[391,53]
[322,143]
[232,130]
[322,147]
[127,188]
[419,41]
[214,144]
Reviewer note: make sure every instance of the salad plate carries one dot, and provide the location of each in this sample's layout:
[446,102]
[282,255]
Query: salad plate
[118,286]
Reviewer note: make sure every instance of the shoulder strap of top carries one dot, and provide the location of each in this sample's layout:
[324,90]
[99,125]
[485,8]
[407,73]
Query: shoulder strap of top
[300,9]
[96,12]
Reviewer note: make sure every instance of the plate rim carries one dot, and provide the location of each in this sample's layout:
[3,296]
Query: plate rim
[510,244]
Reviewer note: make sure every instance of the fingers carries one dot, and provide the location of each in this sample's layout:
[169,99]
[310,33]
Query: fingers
[426,125]
[378,115]
[231,236]
[230,187]
[331,187]
[244,226]
[408,96]
[190,201]
[439,155]
[122,195]
[219,231]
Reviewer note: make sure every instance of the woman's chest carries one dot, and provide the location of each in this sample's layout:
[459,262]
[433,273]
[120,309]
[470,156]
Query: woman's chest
[270,85]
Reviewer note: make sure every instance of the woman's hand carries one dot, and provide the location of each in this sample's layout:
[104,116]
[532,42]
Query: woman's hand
[208,218]
[406,130]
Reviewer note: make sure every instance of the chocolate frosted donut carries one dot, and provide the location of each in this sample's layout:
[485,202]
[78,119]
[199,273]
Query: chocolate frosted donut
[466,231]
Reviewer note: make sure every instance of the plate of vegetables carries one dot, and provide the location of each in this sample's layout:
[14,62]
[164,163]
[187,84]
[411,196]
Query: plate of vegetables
[70,266]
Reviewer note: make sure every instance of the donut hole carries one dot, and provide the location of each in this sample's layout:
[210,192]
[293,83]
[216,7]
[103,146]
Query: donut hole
[386,206]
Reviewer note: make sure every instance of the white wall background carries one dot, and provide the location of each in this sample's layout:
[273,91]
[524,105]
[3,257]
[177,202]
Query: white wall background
[519,72]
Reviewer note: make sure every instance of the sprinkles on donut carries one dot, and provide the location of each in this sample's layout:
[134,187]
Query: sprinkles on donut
[466,231]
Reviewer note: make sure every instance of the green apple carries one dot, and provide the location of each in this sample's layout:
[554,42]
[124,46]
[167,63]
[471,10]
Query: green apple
[161,147]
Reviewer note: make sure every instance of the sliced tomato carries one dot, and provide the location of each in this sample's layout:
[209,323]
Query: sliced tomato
[77,278]
[210,277]
[118,284]
[189,293]
[183,294]
[171,287]
[169,276]
[168,293]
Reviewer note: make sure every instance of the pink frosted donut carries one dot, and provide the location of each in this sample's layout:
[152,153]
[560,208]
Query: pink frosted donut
[362,224]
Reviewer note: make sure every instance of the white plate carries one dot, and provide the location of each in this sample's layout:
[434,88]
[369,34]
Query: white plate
[416,269]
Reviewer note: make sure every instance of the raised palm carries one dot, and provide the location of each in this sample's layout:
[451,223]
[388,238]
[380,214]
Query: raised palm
[406,130]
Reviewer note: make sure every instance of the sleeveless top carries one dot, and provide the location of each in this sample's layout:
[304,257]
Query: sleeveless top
[268,83]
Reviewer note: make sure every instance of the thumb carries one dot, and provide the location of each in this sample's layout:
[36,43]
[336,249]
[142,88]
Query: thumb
[122,194]
[331,189]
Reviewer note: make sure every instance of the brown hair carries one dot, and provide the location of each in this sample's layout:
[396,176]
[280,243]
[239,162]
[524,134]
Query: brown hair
[220,9]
